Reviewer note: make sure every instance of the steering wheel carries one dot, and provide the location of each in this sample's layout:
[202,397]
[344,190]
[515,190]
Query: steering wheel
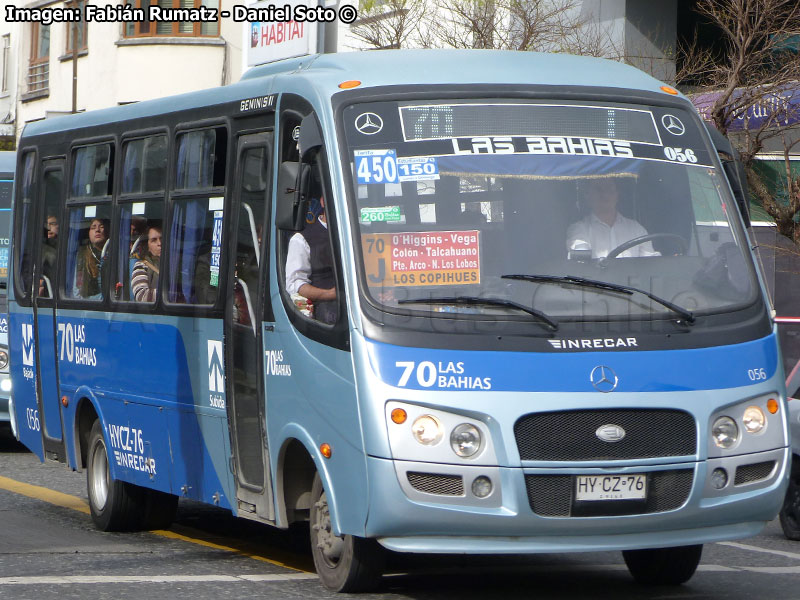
[643,239]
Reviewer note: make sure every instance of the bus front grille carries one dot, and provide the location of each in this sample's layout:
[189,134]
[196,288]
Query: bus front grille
[552,496]
[573,435]
[436,483]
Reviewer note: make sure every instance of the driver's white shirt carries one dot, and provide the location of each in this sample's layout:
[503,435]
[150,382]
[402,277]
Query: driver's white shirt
[591,232]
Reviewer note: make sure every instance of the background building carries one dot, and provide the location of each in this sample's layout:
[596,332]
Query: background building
[69,67]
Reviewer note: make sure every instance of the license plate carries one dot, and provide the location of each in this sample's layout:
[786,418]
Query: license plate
[611,487]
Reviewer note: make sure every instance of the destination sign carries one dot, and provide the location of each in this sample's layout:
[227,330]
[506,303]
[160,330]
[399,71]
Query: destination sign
[422,258]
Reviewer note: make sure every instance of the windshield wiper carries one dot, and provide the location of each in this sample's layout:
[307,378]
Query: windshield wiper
[474,301]
[604,285]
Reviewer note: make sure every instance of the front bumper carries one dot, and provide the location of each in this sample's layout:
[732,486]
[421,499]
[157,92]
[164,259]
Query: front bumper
[404,515]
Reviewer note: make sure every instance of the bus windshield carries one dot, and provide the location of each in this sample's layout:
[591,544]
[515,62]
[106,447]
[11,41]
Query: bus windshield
[502,209]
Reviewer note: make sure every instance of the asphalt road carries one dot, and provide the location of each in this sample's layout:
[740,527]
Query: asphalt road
[49,549]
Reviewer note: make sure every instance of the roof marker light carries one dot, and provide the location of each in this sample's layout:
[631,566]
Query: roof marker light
[664,88]
[346,85]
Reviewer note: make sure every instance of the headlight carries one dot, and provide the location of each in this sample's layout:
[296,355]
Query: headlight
[427,430]
[3,359]
[465,440]
[754,419]
[725,432]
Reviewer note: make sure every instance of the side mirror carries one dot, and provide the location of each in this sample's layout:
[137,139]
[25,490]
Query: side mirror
[293,186]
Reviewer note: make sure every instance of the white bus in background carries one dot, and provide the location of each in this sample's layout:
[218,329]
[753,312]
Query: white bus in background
[7,160]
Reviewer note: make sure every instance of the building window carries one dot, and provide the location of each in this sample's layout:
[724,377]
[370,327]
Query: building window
[76,29]
[39,69]
[6,61]
[172,28]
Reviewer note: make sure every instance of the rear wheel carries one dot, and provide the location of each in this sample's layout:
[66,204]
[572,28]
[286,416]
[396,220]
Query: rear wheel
[114,505]
[344,563]
[663,566]
[790,513]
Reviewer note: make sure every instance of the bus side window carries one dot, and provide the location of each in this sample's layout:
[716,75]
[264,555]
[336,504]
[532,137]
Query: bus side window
[195,233]
[250,233]
[308,281]
[88,246]
[53,190]
[141,216]
[26,228]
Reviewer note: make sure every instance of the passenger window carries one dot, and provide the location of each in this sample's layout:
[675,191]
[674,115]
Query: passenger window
[91,171]
[309,278]
[250,235]
[144,165]
[87,251]
[201,159]
[139,251]
[195,250]
[26,226]
[53,191]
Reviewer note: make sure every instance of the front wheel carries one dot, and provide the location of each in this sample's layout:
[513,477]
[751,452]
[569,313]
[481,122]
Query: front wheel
[343,563]
[114,505]
[663,566]
[790,513]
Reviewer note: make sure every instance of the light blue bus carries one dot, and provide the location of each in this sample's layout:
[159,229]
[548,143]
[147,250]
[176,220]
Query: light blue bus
[427,301]
[7,165]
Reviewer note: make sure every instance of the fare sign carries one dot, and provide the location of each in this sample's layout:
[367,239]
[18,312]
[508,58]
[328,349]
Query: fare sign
[422,258]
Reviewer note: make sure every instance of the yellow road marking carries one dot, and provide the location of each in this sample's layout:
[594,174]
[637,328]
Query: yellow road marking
[45,494]
[73,502]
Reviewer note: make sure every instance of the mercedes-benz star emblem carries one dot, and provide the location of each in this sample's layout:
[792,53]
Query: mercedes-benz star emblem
[369,123]
[673,124]
[604,379]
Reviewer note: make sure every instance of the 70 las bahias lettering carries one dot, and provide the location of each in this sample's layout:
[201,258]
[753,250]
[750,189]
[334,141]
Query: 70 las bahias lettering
[449,375]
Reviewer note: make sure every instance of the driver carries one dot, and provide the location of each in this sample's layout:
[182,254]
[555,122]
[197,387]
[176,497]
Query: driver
[604,228]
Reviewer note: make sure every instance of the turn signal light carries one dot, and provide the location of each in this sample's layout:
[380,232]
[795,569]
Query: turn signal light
[399,416]
[326,450]
[772,405]
[65,401]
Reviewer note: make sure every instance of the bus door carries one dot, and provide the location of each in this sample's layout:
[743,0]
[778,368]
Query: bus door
[243,328]
[44,312]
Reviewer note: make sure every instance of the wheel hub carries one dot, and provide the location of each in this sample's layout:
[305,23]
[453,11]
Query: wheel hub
[99,476]
[329,544]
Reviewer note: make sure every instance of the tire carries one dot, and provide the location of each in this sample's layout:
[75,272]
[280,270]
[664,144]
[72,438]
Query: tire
[663,566]
[346,563]
[114,505]
[790,512]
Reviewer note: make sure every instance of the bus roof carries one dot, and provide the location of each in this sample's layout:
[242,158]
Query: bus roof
[7,162]
[381,68]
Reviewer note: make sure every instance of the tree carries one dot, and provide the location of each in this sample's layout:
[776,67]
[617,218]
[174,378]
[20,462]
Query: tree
[754,70]
[390,24]
[537,25]
[540,25]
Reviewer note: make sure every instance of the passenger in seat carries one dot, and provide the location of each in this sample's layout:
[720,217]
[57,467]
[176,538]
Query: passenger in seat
[90,260]
[144,281]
